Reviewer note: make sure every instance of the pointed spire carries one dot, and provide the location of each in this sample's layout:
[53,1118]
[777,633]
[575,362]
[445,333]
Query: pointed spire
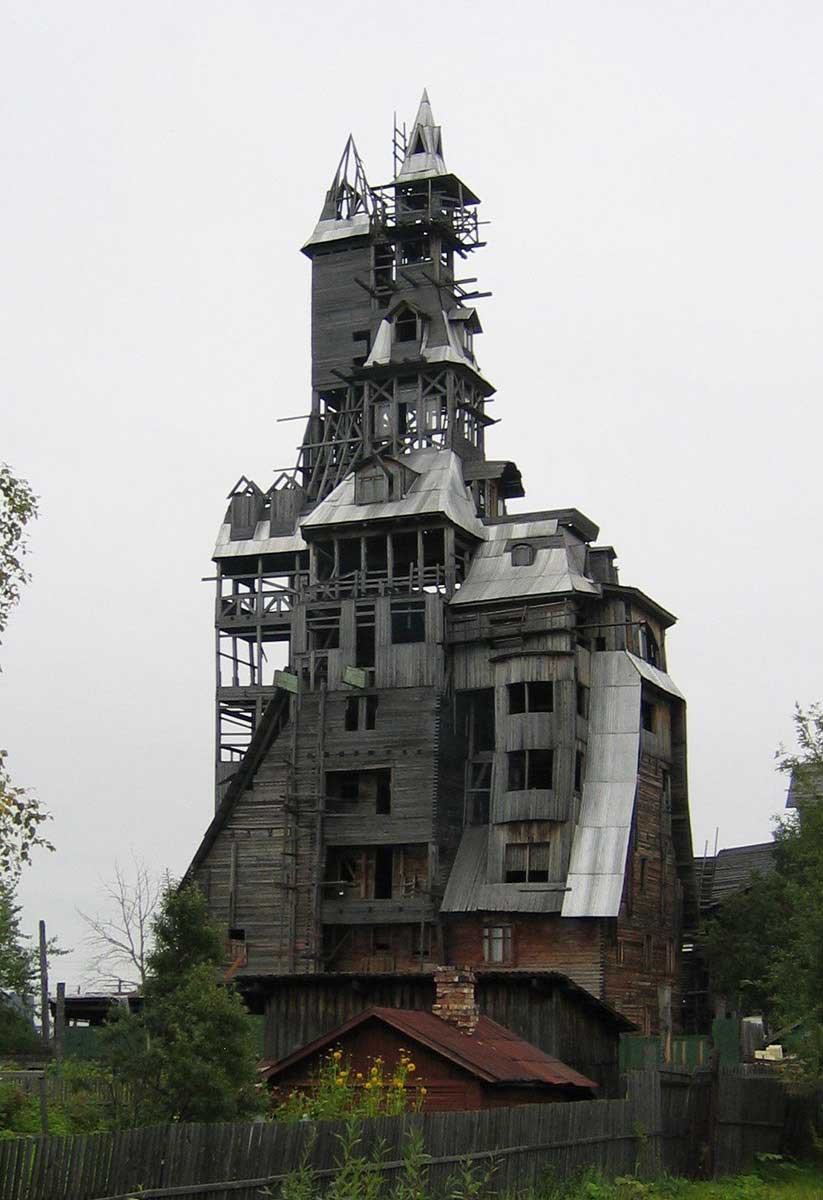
[424,149]
[349,193]
[349,203]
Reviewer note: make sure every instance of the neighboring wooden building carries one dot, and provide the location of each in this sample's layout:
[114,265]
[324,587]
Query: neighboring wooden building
[476,754]
[462,1060]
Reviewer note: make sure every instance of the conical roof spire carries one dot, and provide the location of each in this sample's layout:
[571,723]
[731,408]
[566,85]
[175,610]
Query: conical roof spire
[349,193]
[349,201]
[424,149]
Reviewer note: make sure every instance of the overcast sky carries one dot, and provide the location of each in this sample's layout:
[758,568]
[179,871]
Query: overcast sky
[652,174]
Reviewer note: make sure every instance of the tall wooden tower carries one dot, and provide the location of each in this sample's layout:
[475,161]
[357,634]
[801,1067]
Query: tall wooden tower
[475,753]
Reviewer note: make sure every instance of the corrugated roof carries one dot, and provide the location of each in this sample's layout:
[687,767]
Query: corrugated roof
[491,1053]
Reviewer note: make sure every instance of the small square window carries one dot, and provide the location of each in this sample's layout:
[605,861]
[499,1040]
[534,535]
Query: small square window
[522,555]
[531,770]
[497,943]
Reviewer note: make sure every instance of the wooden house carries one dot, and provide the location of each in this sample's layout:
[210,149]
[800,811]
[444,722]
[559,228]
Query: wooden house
[461,1060]
[474,752]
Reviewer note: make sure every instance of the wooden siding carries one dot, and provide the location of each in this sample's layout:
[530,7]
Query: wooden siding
[643,947]
[545,1012]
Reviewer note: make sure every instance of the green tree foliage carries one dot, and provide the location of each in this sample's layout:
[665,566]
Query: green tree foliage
[742,942]
[21,815]
[189,1055]
[765,946]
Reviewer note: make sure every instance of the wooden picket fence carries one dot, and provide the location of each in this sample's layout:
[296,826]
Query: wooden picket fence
[659,1125]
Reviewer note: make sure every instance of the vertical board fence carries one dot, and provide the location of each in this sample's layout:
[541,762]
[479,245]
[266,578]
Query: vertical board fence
[664,1123]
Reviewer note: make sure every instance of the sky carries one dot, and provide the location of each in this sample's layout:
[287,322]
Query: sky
[653,177]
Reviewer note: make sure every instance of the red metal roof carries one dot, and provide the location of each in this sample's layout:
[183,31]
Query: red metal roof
[491,1053]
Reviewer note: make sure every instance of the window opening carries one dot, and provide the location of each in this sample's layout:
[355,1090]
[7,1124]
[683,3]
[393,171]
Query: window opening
[405,326]
[352,707]
[382,804]
[647,645]
[530,770]
[522,555]
[579,761]
[582,701]
[404,554]
[383,872]
[377,555]
[408,621]
[497,943]
[647,715]
[600,643]
[342,790]
[371,711]
[349,549]
[323,629]
[364,636]
[642,879]
[237,935]
[535,697]
[527,862]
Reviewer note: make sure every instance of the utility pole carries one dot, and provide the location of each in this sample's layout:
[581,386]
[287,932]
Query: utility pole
[45,1022]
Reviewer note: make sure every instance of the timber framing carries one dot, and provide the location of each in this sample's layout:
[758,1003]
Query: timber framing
[445,732]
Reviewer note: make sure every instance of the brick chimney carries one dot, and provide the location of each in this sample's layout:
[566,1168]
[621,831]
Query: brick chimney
[455,1000]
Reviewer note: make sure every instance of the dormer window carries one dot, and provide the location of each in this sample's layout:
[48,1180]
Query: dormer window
[371,486]
[522,555]
[406,326]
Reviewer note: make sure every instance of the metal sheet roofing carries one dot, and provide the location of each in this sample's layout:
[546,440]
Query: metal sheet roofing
[439,489]
[601,839]
[261,543]
[554,569]
[492,1053]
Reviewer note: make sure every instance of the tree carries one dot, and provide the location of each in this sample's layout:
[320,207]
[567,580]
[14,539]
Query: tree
[741,942]
[189,1054]
[766,945]
[21,814]
[121,941]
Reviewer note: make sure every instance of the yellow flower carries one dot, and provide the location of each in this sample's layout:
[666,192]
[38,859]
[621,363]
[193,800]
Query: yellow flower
[367,1086]
[340,1081]
[359,1075]
[338,1054]
[412,1067]
[398,1083]
[423,1092]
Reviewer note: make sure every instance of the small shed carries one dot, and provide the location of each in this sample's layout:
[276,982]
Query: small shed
[484,1066]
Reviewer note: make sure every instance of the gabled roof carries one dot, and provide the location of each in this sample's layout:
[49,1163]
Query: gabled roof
[491,1053]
